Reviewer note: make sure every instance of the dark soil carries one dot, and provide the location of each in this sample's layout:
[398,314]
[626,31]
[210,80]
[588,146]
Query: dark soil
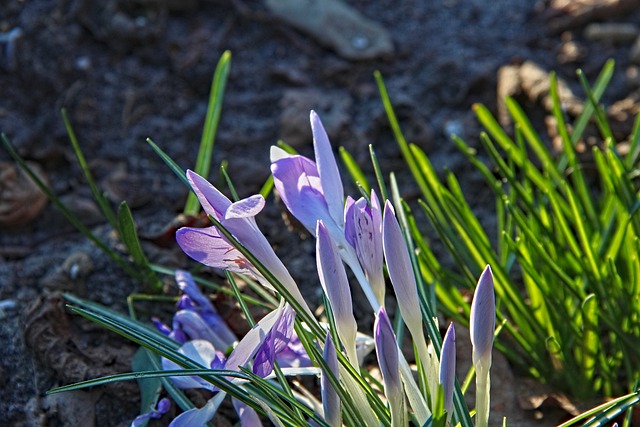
[125,71]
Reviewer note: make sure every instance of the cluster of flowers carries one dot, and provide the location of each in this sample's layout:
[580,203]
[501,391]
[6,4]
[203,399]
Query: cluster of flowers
[365,236]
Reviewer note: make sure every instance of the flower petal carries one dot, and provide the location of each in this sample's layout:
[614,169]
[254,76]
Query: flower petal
[245,208]
[276,341]
[199,417]
[328,170]
[199,351]
[387,352]
[212,200]
[208,247]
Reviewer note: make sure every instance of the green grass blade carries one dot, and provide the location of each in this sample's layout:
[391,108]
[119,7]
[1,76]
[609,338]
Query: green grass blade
[129,236]
[177,170]
[600,85]
[102,201]
[379,177]
[590,337]
[214,109]
[354,170]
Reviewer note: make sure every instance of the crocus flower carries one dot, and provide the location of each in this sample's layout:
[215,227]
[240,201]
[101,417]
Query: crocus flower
[161,408]
[209,247]
[196,317]
[262,343]
[482,327]
[363,230]
[448,367]
[333,278]
[331,403]
[311,190]
[388,359]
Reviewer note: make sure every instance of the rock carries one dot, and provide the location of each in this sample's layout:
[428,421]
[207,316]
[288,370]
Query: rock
[611,32]
[335,25]
[21,200]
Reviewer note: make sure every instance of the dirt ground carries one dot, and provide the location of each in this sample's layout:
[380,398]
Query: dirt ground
[128,70]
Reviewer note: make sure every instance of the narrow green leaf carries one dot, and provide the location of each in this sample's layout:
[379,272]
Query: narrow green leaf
[214,109]
[102,201]
[177,170]
[129,237]
[598,89]
[354,170]
[590,336]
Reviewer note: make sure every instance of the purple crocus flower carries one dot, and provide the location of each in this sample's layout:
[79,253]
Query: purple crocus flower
[311,190]
[388,359]
[263,343]
[482,327]
[363,230]
[448,367]
[196,317]
[333,278]
[331,403]
[209,247]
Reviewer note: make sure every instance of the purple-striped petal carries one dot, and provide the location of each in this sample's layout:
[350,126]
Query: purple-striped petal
[208,247]
[363,230]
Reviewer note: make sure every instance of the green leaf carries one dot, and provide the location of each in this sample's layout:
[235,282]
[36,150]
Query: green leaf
[214,109]
[102,201]
[150,388]
[129,237]
[354,170]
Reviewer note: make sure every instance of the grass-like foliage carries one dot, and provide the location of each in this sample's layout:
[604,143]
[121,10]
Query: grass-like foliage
[566,255]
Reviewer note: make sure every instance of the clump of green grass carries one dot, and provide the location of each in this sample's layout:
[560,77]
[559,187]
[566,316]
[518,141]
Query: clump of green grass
[566,262]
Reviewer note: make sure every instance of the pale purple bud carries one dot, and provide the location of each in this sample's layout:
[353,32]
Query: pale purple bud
[482,323]
[333,279]
[388,359]
[330,400]
[448,367]
[401,274]
[195,327]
